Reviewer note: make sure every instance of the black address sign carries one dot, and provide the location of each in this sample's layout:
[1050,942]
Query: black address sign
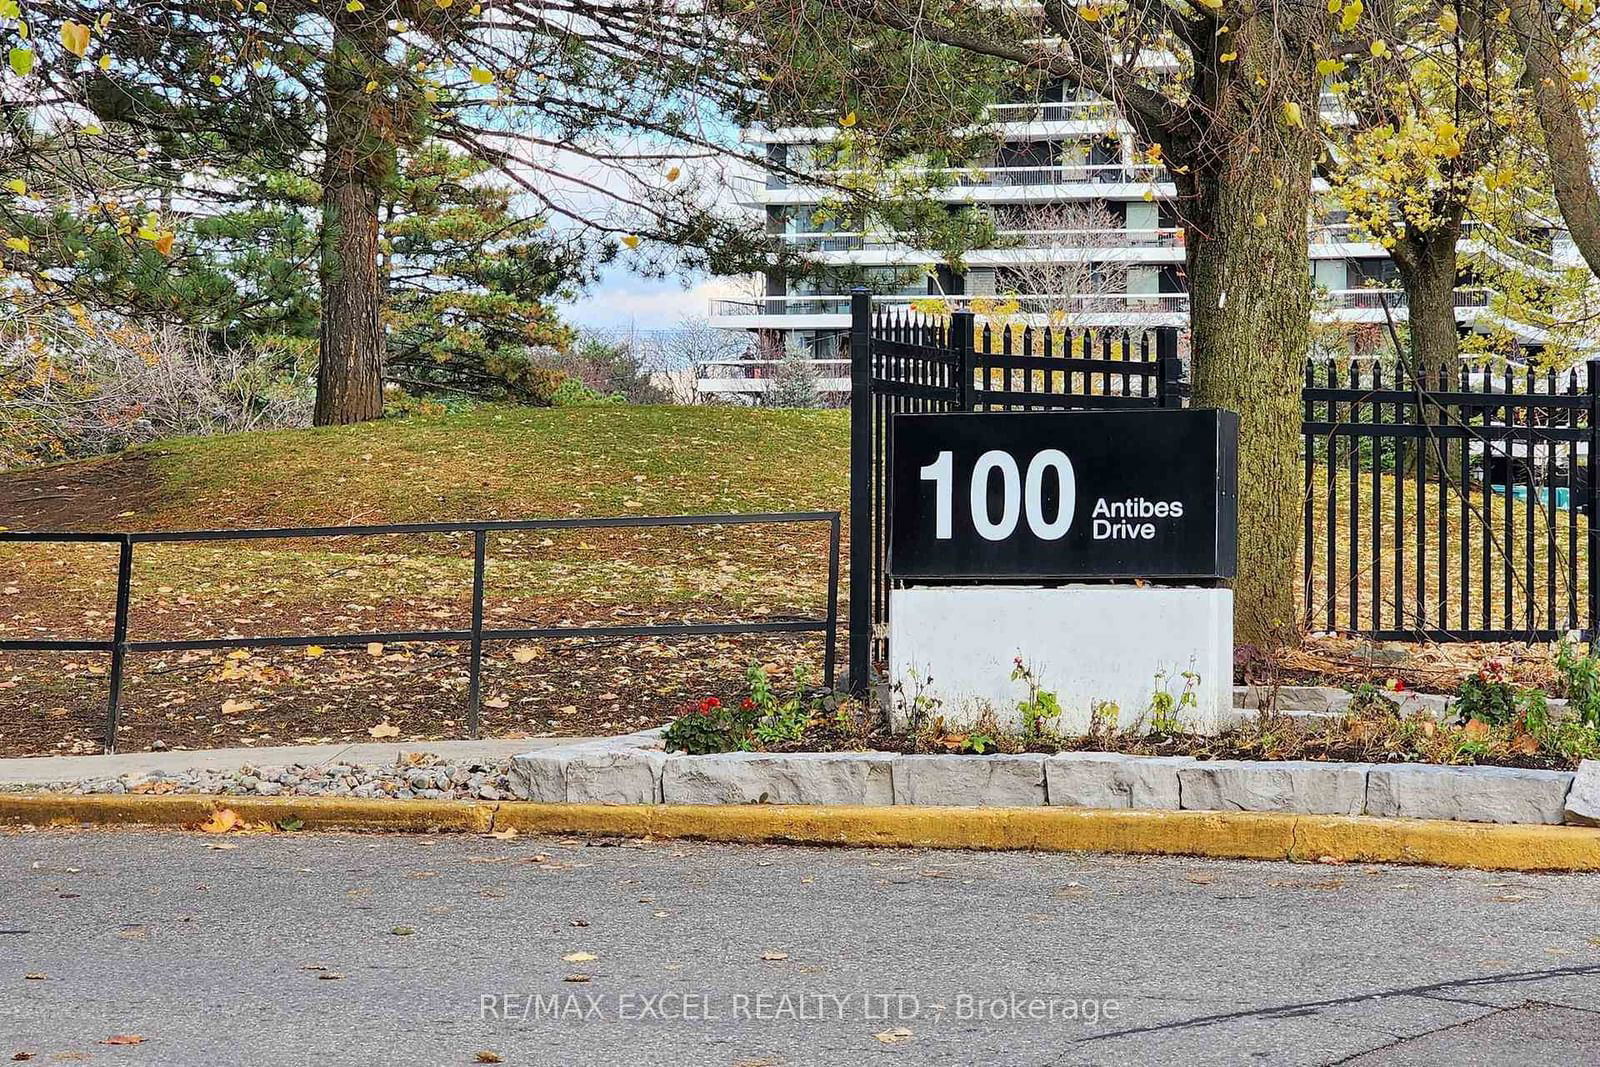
[1074,494]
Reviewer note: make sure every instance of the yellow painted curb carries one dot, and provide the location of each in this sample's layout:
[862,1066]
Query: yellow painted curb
[1231,835]
[189,811]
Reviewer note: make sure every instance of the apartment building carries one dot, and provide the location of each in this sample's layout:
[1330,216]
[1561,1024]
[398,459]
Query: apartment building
[1087,235]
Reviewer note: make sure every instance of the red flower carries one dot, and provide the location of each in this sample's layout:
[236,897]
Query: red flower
[1397,685]
[709,704]
[747,704]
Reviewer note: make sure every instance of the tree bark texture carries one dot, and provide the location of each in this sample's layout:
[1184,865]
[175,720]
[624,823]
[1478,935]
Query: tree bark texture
[1565,134]
[358,160]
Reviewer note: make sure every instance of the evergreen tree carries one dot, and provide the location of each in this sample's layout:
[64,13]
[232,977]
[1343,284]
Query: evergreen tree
[596,113]
[794,382]
[468,282]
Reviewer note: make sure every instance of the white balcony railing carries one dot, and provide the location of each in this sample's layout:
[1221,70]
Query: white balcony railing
[1164,237]
[1374,299]
[1112,237]
[1032,304]
[1054,111]
[969,177]
[1368,299]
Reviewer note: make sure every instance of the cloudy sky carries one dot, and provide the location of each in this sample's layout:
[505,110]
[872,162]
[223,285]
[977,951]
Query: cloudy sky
[622,299]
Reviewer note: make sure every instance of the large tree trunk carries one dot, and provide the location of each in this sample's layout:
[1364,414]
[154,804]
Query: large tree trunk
[1565,135]
[1250,291]
[358,161]
[1428,270]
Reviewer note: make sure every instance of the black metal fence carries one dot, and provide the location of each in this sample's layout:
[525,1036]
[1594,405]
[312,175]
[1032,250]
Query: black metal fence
[1451,508]
[903,361]
[1454,508]
[119,645]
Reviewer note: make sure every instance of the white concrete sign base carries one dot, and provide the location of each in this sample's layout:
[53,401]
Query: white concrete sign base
[1094,646]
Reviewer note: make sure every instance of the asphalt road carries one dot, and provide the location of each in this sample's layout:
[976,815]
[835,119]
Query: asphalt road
[345,949]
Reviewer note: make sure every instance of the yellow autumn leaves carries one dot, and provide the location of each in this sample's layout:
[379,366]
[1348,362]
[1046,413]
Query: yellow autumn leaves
[153,232]
[75,38]
[20,59]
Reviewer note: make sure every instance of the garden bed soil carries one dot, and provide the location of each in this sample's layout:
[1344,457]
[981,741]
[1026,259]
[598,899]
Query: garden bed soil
[1354,739]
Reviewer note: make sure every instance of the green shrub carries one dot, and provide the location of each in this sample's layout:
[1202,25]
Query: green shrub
[762,717]
[517,377]
[1488,696]
[572,393]
[708,727]
[1580,678]
[777,720]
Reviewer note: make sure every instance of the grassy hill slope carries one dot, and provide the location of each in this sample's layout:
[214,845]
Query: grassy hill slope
[493,462]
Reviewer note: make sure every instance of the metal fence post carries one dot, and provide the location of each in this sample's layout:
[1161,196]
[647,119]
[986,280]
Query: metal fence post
[474,694]
[1592,505]
[831,640]
[1169,387]
[860,489]
[119,640]
[961,340]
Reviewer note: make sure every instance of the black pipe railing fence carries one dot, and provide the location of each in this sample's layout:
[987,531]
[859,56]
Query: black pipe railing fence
[120,644]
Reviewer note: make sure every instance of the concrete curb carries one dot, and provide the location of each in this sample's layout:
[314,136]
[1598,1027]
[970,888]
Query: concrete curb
[1229,835]
[634,770]
[188,811]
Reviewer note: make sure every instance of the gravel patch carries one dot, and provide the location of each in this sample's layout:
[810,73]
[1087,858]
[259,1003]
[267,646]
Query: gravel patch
[424,776]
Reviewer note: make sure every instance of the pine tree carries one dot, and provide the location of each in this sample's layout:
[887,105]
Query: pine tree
[794,383]
[468,282]
[594,112]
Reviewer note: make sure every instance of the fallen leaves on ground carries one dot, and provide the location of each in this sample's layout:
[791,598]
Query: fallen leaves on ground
[895,1036]
[579,957]
[487,1056]
[222,821]
[384,729]
[504,835]
[771,956]
[124,1039]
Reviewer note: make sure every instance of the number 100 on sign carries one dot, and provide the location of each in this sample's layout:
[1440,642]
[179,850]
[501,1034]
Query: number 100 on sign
[1115,494]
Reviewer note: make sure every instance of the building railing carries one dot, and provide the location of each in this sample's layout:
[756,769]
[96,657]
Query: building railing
[998,175]
[119,644]
[1365,299]
[1377,299]
[1160,237]
[1054,111]
[1033,303]
[1109,237]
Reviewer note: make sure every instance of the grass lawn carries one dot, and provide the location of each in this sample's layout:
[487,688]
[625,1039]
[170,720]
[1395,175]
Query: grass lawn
[494,462]
[1506,541]
[501,462]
